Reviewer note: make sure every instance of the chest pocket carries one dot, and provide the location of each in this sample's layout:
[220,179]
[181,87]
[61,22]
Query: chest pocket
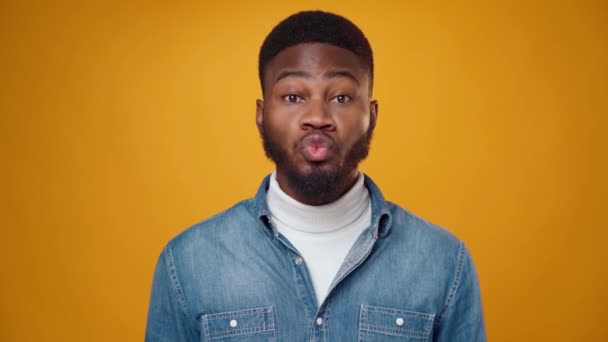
[386,324]
[251,325]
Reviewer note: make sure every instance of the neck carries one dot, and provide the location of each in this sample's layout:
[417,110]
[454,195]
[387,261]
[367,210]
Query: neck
[288,213]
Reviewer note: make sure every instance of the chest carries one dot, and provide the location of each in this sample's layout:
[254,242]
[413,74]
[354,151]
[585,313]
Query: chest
[382,298]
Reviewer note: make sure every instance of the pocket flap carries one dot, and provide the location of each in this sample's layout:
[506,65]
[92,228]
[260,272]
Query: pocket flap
[241,322]
[395,322]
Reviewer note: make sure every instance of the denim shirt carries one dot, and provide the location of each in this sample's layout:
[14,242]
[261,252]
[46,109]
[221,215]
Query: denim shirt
[233,277]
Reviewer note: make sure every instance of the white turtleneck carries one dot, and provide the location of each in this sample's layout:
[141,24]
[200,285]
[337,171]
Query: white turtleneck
[323,235]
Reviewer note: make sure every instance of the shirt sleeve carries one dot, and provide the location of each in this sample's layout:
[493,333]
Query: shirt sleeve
[462,320]
[168,315]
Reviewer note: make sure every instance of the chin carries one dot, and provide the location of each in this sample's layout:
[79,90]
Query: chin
[319,167]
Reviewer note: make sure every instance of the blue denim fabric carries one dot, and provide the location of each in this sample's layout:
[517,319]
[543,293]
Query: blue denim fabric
[233,277]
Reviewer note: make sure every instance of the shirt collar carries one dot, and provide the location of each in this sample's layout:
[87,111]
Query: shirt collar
[381,216]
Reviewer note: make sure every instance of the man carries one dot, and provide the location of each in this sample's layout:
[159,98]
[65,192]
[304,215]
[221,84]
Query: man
[317,254]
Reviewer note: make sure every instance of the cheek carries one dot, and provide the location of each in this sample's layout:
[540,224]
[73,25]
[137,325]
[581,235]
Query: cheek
[354,124]
[352,131]
[282,118]
[278,128]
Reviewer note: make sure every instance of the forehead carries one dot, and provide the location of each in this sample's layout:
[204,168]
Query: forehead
[314,58]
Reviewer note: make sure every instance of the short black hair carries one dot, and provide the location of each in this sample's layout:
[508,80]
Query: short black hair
[316,27]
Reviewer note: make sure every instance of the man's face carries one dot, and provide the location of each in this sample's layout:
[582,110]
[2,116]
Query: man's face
[316,120]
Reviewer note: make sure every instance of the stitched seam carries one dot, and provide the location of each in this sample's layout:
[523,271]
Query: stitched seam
[239,313]
[206,323]
[300,289]
[457,275]
[170,263]
[362,321]
[394,331]
[270,314]
[328,308]
[242,331]
[399,312]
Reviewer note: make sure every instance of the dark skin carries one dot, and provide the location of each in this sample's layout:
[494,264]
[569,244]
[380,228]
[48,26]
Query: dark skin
[317,105]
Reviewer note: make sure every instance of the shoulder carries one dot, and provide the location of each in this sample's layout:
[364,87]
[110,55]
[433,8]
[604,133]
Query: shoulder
[232,223]
[421,235]
[406,228]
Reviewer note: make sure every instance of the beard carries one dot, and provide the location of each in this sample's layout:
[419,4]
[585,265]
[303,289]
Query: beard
[321,183]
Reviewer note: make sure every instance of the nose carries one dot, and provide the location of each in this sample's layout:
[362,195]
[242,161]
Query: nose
[317,116]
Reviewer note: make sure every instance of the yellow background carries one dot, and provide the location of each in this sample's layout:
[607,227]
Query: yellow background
[122,124]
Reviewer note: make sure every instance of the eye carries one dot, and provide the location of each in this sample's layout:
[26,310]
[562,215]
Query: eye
[293,98]
[342,99]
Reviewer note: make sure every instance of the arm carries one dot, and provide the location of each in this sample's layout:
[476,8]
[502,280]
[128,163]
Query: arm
[168,315]
[461,319]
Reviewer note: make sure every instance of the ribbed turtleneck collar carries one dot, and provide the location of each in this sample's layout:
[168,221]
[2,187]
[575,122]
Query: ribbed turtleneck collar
[317,219]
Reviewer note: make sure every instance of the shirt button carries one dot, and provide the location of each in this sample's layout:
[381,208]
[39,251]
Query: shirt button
[233,323]
[400,321]
[319,321]
[299,261]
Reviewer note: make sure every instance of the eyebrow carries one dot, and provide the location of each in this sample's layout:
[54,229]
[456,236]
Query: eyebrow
[291,73]
[338,73]
[327,75]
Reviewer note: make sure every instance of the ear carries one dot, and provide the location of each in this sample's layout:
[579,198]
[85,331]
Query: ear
[373,114]
[259,115]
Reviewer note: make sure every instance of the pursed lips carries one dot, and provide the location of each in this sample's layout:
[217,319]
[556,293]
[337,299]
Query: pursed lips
[316,147]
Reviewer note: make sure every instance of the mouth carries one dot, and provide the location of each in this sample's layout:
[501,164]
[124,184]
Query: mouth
[316,147]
